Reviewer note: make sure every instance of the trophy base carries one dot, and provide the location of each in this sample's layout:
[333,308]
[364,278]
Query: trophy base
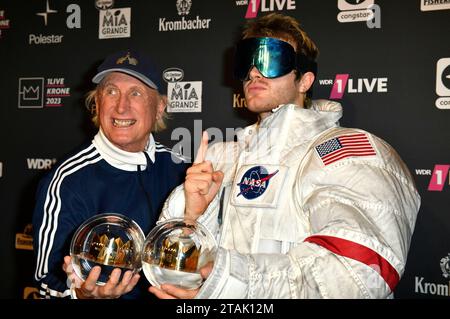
[158,276]
[83,266]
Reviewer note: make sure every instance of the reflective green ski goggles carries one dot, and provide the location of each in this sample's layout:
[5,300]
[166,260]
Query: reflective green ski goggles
[272,57]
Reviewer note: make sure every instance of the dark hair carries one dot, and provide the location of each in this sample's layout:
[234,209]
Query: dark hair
[284,27]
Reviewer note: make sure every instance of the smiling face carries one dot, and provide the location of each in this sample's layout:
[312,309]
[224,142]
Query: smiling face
[127,111]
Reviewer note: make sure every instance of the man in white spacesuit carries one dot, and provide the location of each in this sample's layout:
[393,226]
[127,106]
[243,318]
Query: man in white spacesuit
[300,207]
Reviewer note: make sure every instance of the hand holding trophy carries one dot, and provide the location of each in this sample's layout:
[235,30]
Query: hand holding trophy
[175,251]
[107,240]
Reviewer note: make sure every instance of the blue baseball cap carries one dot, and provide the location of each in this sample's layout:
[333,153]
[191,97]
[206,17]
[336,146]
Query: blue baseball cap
[131,62]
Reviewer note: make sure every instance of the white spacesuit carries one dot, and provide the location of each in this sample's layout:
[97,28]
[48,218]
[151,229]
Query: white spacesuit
[307,209]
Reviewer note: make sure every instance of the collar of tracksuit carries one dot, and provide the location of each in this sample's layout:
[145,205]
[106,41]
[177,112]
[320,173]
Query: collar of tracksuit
[121,159]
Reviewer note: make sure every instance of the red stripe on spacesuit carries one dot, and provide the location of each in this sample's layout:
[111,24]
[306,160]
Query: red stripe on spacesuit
[360,253]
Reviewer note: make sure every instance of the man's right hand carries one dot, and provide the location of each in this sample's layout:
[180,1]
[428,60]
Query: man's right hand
[202,182]
[113,288]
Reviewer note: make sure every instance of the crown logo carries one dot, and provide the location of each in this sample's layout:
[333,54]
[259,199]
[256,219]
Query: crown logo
[132,61]
[111,251]
[183,7]
[179,254]
[445,266]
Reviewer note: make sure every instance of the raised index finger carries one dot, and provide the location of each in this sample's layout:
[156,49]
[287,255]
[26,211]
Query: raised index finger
[201,153]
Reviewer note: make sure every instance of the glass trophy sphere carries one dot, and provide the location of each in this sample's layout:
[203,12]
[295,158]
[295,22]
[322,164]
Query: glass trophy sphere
[107,240]
[175,251]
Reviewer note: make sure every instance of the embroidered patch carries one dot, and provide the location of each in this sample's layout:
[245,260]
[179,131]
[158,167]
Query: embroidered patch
[254,182]
[251,186]
[344,146]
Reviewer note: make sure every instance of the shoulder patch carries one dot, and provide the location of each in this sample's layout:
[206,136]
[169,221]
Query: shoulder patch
[344,146]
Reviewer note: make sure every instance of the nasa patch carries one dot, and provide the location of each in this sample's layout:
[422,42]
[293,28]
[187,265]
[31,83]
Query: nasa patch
[258,185]
[254,182]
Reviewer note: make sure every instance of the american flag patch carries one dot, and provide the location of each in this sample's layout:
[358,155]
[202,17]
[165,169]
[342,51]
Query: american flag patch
[344,146]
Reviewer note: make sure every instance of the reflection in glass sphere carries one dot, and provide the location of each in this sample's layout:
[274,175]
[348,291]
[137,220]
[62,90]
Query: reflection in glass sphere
[175,251]
[107,240]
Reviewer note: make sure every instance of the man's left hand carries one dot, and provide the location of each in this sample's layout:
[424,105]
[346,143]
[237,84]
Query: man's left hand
[166,291]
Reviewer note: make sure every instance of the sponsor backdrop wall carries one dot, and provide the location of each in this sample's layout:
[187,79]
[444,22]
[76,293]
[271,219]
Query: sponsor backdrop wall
[387,62]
